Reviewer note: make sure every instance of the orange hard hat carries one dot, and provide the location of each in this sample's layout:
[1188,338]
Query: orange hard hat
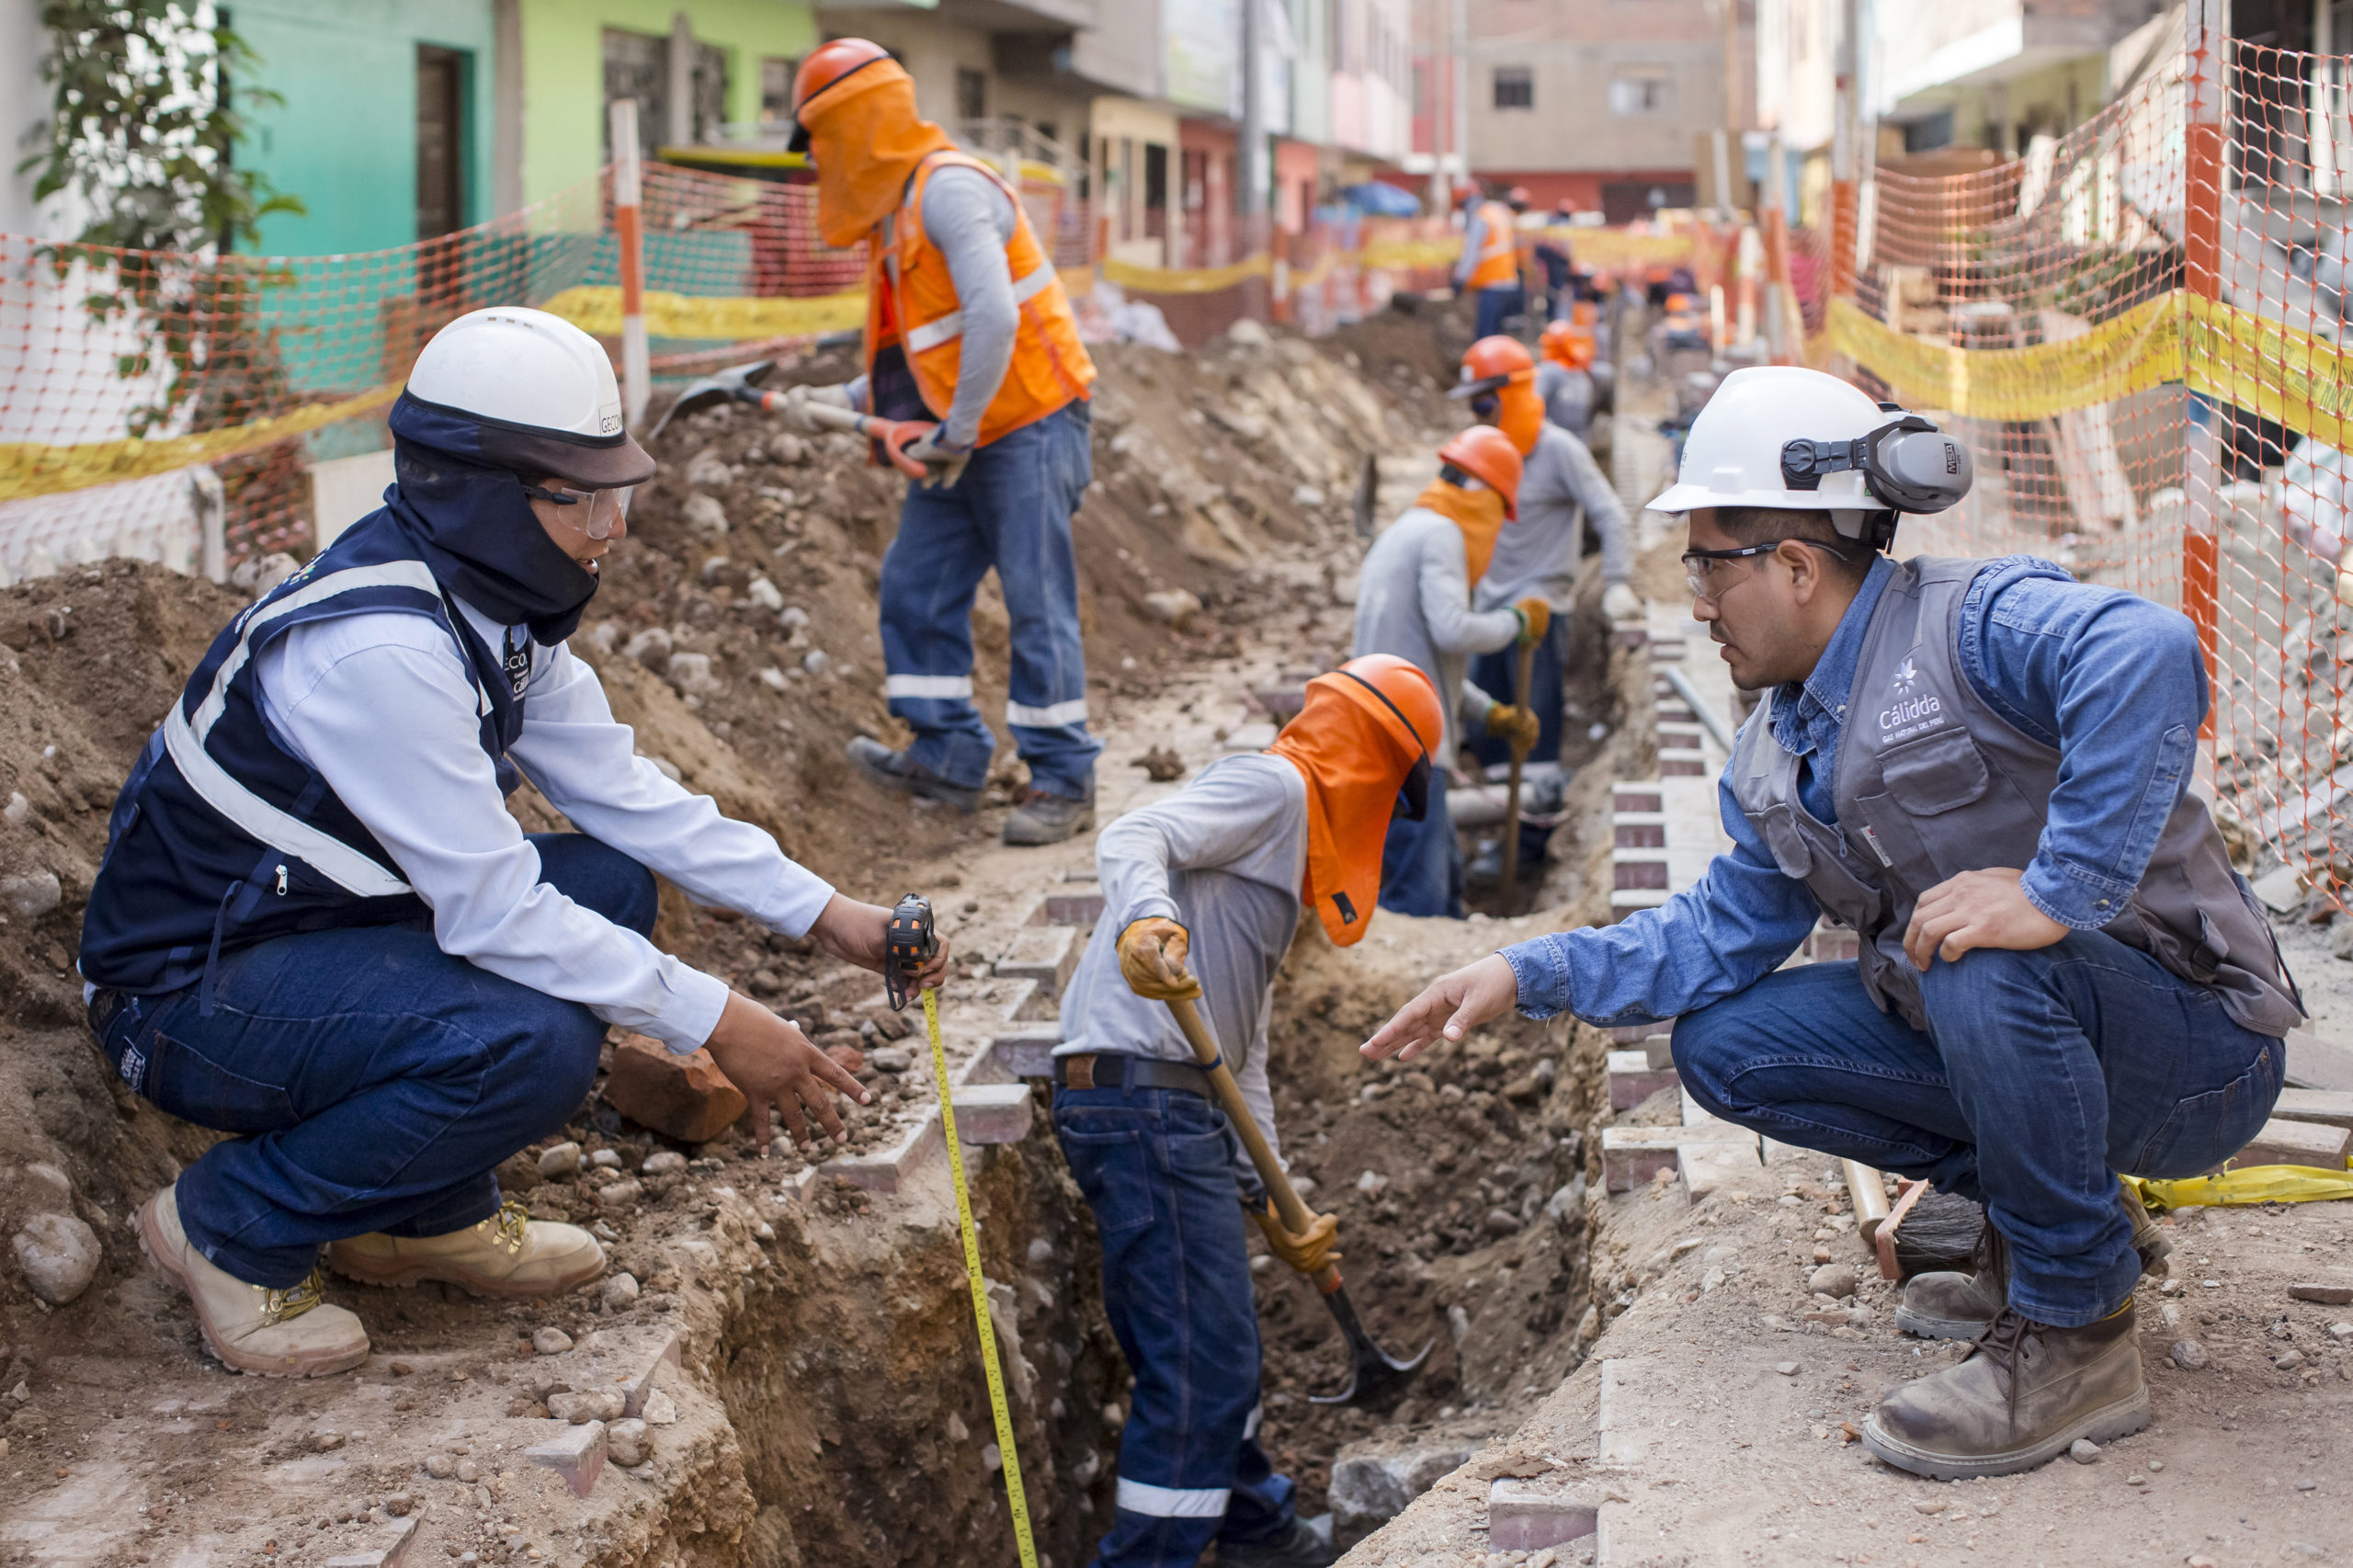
[1487,455]
[1585,313]
[1517,196]
[828,65]
[1571,344]
[1491,364]
[1679,303]
[1396,692]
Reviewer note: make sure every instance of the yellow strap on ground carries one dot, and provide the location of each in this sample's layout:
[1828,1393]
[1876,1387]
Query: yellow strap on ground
[733,317]
[2253,1184]
[997,1407]
[29,468]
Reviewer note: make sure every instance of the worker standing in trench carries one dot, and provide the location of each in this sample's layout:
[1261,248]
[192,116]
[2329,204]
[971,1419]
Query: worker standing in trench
[1564,378]
[1982,766]
[1413,601]
[1489,264]
[1201,893]
[966,323]
[1537,558]
[318,927]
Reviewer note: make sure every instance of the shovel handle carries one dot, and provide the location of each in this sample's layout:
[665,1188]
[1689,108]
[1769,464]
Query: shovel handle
[1527,674]
[894,435]
[1293,1213]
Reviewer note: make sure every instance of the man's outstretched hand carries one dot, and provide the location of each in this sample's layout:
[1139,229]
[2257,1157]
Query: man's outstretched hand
[1976,909]
[774,1064]
[1452,1006]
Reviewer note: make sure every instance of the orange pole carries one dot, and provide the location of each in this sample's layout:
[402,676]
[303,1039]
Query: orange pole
[2202,226]
[1843,232]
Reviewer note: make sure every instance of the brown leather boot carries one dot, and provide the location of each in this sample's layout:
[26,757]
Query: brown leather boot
[2025,1394]
[1951,1305]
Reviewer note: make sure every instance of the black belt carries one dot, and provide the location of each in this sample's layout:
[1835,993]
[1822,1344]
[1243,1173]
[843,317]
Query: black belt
[1115,1070]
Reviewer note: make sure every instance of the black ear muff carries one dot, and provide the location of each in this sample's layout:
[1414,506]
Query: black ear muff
[1414,793]
[1907,464]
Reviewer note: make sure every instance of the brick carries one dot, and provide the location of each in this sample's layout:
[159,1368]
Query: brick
[685,1097]
[1633,1079]
[1632,1155]
[1636,798]
[1638,835]
[636,1388]
[1682,764]
[2332,1107]
[1026,1002]
[1659,1049]
[1527,1515]
[888,1169]
[1619,1443]
[1709,1168]
[2317,1064]
[993,1113]
[2295,1143]
[1625,901]
[1046,954]
[1027,1051]
[1081,905]
[577,1454]
[1629,874]
[2325,1295]
[390,1555]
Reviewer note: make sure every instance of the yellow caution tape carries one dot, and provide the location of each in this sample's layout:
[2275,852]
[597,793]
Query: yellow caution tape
[1410,256]
[2269,369]
[732,317]
[29,468]
[2252,1184]
[1186,280]
[997,1407]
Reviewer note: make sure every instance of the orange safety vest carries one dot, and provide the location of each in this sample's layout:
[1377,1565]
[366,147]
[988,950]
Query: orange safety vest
[911,300]
[1499,256]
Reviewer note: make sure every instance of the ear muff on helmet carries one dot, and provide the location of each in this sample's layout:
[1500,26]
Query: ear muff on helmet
[1907,464]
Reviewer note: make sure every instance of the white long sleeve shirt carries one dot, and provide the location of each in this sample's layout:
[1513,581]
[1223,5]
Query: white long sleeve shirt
[384,707]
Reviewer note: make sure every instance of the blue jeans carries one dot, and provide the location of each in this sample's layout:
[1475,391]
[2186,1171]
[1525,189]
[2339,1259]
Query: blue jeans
[1421,862]
[1496,302]
[1011,510]
[1157,1167]
[373,1080]
[2041,1075]
[1497,675]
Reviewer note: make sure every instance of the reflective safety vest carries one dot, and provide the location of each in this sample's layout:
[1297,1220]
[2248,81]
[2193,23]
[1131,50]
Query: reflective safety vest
[1499,260]
[912,300]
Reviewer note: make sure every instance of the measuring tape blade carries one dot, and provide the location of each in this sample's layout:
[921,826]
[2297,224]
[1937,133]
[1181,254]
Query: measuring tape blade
[998,1406]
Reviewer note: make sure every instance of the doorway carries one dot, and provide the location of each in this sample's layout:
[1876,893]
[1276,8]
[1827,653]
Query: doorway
[440,142]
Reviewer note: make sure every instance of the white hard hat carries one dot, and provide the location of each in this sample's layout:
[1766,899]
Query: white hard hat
[541,390]
[1786,437]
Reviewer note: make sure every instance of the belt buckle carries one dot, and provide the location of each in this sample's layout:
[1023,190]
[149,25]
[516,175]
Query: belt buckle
[1078,1071]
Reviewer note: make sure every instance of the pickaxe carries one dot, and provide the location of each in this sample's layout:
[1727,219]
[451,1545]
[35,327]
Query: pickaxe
[1376,1379]
[737,385]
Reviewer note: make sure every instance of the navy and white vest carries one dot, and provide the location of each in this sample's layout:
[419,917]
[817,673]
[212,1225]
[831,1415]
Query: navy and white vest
[222,837]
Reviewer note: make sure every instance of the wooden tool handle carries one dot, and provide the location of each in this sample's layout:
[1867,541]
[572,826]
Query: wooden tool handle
[1527,673]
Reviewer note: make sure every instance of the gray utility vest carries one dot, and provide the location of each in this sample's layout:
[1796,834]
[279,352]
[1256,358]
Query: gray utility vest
[1930,782]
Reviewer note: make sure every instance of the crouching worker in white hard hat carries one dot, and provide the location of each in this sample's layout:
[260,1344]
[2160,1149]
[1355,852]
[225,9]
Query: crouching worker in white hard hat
[1982,768]
[318,927]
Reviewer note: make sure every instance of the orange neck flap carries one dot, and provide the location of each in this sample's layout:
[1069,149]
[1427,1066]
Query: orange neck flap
[1478,513]
[1354,763]
[867,139]
[1520,414]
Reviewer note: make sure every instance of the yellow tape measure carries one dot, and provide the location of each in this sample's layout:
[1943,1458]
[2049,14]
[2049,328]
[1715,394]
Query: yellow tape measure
[998,1406]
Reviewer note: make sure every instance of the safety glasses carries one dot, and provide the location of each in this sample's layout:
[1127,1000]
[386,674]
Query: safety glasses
[1710,573]
[601,510]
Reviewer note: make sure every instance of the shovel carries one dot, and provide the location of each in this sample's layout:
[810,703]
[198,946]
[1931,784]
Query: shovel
[1376,1379]
[735,385]
[1518,760]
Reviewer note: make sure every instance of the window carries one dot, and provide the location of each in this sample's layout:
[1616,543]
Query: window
[971,94]
[776,88]
[1640,92]
[1515,88]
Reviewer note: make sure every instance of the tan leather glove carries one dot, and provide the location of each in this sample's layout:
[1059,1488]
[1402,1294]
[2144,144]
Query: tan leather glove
[1515,726]
[1310,1252]
[1535,618]
[1152,960]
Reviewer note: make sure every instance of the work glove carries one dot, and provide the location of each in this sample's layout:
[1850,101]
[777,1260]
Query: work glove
[1515,726]
[1535,618]
[1152,960]
[1310,1252]
[943,463]
[1619,602]
[799,401]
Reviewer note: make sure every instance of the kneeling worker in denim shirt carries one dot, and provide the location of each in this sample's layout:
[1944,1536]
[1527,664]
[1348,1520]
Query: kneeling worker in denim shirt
[1202,892]
[1982,768]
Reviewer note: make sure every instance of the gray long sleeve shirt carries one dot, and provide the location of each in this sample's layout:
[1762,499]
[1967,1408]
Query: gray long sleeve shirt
[1413,600]
[1223,857]
[970,222]
[1537,555]
[1568,396]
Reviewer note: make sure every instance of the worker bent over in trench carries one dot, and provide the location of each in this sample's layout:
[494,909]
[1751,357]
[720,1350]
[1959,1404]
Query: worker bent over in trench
[318,927]
[1982,768]
[1215,877]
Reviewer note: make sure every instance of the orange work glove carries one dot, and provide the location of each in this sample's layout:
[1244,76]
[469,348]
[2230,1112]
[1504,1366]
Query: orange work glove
[1516,727]
[1310,1252]
[1152,960]
[1535,618]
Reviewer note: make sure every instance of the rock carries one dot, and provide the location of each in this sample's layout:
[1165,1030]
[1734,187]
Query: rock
[1178,607]
[2281,889]
[2340,939]
[2083,1450]
[650,647]
[1501,1221]
[30,895]
[1160,765]
[992,1458]
[326,1442]
[690,673]
[661,1410]
[765,594]
[1373,1480]
[16,810]
[957,1431]
[1711,1279]
[843,1047]
[891,1058]
[1371,1182]
[440,1467]
[2326,1295]
[1927,1505]
[704,514]
[815,661]
[2188,1354]
[580,1408]
[399,1504]
[793,618]
[660,1162]
[1787,1368]
[1835,1281]
[1248,334]
[1566,1206]
[2341,1331]
[559,1160]
[620,1195]
[620,1294]
[59,1254]
[1306,496]
[550,1341]
[469,1472]
[625,1443]
[682,1097]
[2288,1361]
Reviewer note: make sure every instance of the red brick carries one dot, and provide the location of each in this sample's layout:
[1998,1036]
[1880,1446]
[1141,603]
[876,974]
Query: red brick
[685,1097]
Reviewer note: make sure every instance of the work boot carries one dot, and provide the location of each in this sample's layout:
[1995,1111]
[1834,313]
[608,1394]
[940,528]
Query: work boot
[1948,1305]
[1045,817]
[2022,1395]
[276,1333]
[1298,1547]
[510,1254]
[897,773]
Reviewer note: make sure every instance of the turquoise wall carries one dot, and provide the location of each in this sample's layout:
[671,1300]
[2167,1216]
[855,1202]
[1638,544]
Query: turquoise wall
[344,139]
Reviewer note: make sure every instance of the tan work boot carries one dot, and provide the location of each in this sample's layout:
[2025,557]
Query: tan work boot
[1951,1305]
[2023,1395]
[276,1334]
[510,1254]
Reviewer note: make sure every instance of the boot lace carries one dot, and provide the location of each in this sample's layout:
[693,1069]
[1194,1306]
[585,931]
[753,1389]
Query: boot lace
[277,1306]
[506,1227]
[2003,1343]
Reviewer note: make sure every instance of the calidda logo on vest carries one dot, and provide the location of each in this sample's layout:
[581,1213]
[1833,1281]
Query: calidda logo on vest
[1907,710]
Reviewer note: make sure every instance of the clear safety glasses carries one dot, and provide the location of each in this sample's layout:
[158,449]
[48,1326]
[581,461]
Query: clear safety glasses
[597,512]
[1708,574]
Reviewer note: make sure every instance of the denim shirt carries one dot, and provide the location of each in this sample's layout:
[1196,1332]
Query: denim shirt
[2115,682]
